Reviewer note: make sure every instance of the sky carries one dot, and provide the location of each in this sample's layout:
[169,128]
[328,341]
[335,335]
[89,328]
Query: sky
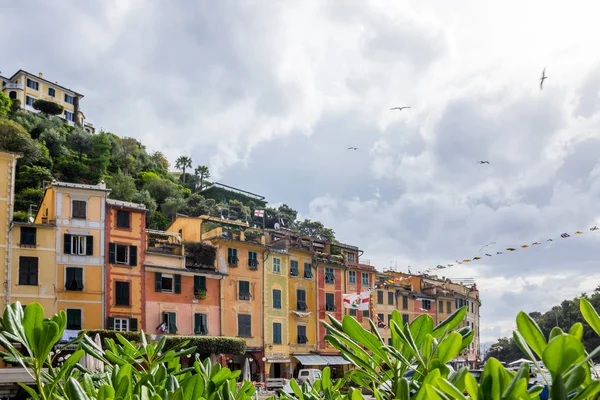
[271,94]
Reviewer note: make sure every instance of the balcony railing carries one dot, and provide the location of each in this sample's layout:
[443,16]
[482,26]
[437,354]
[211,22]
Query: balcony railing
[163,242]
[10,85]
[200,255]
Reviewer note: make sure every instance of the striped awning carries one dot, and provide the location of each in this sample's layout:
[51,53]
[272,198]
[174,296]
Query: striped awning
[314,359]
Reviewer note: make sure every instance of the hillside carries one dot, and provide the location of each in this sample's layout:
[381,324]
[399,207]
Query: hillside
[53,149]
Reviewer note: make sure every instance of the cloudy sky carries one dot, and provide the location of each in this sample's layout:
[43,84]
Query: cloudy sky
[270,94]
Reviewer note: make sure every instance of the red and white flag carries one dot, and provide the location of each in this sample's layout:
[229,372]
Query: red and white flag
[259,213]
[357,301]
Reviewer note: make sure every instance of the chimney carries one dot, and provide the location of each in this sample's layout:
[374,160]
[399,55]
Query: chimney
[41,75]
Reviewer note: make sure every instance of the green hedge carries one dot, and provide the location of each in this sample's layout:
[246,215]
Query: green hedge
[210,344]
[113,335]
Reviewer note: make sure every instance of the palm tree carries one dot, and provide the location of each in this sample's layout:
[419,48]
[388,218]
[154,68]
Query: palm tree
[202,172]
[182,163]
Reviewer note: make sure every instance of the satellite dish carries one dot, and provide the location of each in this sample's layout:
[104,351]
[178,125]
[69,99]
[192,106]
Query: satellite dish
[276,226]
[31,220]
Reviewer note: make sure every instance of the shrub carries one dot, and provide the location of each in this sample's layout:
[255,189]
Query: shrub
[200,254]
[106,334]
[210,344]
[48,107]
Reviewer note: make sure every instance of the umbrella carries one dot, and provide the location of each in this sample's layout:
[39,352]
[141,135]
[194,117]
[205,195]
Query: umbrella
[99,365]
[87,361]
[246,371]
[520,361]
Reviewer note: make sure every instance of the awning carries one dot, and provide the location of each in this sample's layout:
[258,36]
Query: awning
[321,360]
[278,360]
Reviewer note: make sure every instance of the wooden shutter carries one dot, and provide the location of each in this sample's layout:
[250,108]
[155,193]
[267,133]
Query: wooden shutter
[199,283]
[157,282]
[172,323]
[197,323]
[177,283]
[111,324]
[276,333]
[133,326]
[112,253]
[89,246]
[67,244]
[78,274]
[133,256]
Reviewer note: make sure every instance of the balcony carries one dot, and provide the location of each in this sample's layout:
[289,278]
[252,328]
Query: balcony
[10,85]
[200,255]
[163,242]
[329,259]
[236,234]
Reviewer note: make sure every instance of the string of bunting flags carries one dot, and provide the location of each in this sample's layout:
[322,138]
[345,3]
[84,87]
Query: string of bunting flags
[563,235]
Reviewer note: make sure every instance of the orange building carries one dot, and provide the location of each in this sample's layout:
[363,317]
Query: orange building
[125,243]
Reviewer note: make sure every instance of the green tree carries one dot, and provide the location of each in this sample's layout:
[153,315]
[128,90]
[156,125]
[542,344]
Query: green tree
[182,163]
[81,142]
[100,154]
[13,137]
[160,161]
[315,229]
[5,104]
[122,187]
[32,177]
[161,189]
[54,141]
[48,107]
[203,173]
[172,206]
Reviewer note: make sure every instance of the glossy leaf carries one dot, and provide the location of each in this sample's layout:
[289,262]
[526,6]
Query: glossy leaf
[420,327]
[449,347]
[472,386]
[531,333]
[561,353]
[558,390]
[590,314]
[450,323]
[577,330]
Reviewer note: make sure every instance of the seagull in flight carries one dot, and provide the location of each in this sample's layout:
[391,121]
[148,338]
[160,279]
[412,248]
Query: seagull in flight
[543,78]
[399,108]
[352,148]
[483,162]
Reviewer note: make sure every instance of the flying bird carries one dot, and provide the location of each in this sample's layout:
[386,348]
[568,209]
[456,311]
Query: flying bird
[483,162]
[544,77]
[399,108]
[352,148]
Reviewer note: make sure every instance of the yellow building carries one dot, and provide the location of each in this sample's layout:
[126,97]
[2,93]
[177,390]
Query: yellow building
[78,212]
[28,88]
[8,165]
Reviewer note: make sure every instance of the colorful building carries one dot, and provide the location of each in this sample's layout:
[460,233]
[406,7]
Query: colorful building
[124,249]
[360,278]
[27,88]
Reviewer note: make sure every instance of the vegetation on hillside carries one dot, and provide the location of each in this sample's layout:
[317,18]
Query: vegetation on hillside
[54,150]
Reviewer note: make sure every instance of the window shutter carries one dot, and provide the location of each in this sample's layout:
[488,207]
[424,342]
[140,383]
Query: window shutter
[78,278]
[133,324]
[172,323]
[199,283]
[77,319]
[157,282]
[112,253]
[69,278]
[197,323]
[67,244]
[22,272]
[33,270]
[111,324]
[89,246]
[177,283]
[133,256]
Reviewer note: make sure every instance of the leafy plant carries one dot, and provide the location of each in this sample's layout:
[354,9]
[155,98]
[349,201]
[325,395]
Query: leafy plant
[48,107]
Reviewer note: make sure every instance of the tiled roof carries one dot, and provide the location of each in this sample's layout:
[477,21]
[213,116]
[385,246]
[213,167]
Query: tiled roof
[126,204]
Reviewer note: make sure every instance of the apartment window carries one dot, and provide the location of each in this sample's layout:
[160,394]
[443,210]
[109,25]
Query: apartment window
[74,278]
[244,325]
[277,265]
[31,84]
[301,300]
[199,285]
[170,321]
[74,319]
[121,293]
[353,312]
[329,275]
[78,245]
[276,333]
[121,324]
[69,99]
[405,302]
[391,298]
[79,209]
[350,257]
[380,297]
[352,277]
[404,319]
[51,92]
[380,320]
[294,270]
[390,342]
[69,116]
[302,338]
[122,254]
[308,270]
[244,287]
[252,260]
[276,298]
[473,307]
[167,283]
[365,279]
[449,307]
[426,304]
[232,258]
[29,100]
[200,324]
[28,271]
[123,219]
[441,306]
[28,236]
[390,320]
[329,302]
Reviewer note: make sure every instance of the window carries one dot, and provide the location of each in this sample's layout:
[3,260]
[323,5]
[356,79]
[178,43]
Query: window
[28,271]
[365,279]
[301,300]
[276,333]
[79,209]
[28,236]
[294,270]
[353,312]
[276,298]
[170,320]
[74,278]
[167,283]
[123,219]
[350,257]
[329,302]
[244,325]
[29,100]
[426,304]
[74,319]
[200,325]
[121,293]
[405,302]
[380,320]
[308,270]
[473,307]
[380,297]
[277,265]
[404,319]
[329,275]
[79,245]
[365,314]
[199,286]
[12,95]
[31,84]
[69,99]
[232,258]
[391,298]
[121,324]
[302,338]
[390,320]
[252,260]
[449,307]
[390,342]
[122,254]
[51,92]
[68,115]
[244,290]
[352,277]
[441,306]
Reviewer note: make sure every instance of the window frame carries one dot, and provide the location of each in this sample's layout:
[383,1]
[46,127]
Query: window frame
[120,246]
[365,282]
[68,286]
[405,302]
[80,318]
[391,298]
[170,277]
[118,220]
[29,270]
[69,99]
[352,277]
[426,304]
[232,257]
[246,296]
[295,272]
[301,338]
[301,304]
[35,85]
[276,304]
[52,92]
[329,276]
[118,324]
[307,268]
[276,265]
[79,202]
[380,297]
[116,292]
[243,334]
[28,231]
[203,331]
[277,339]
[28,102]
[329,306]
[252,260]
[350,257]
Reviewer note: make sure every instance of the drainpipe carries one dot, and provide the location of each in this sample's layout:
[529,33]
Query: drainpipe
[8,263]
